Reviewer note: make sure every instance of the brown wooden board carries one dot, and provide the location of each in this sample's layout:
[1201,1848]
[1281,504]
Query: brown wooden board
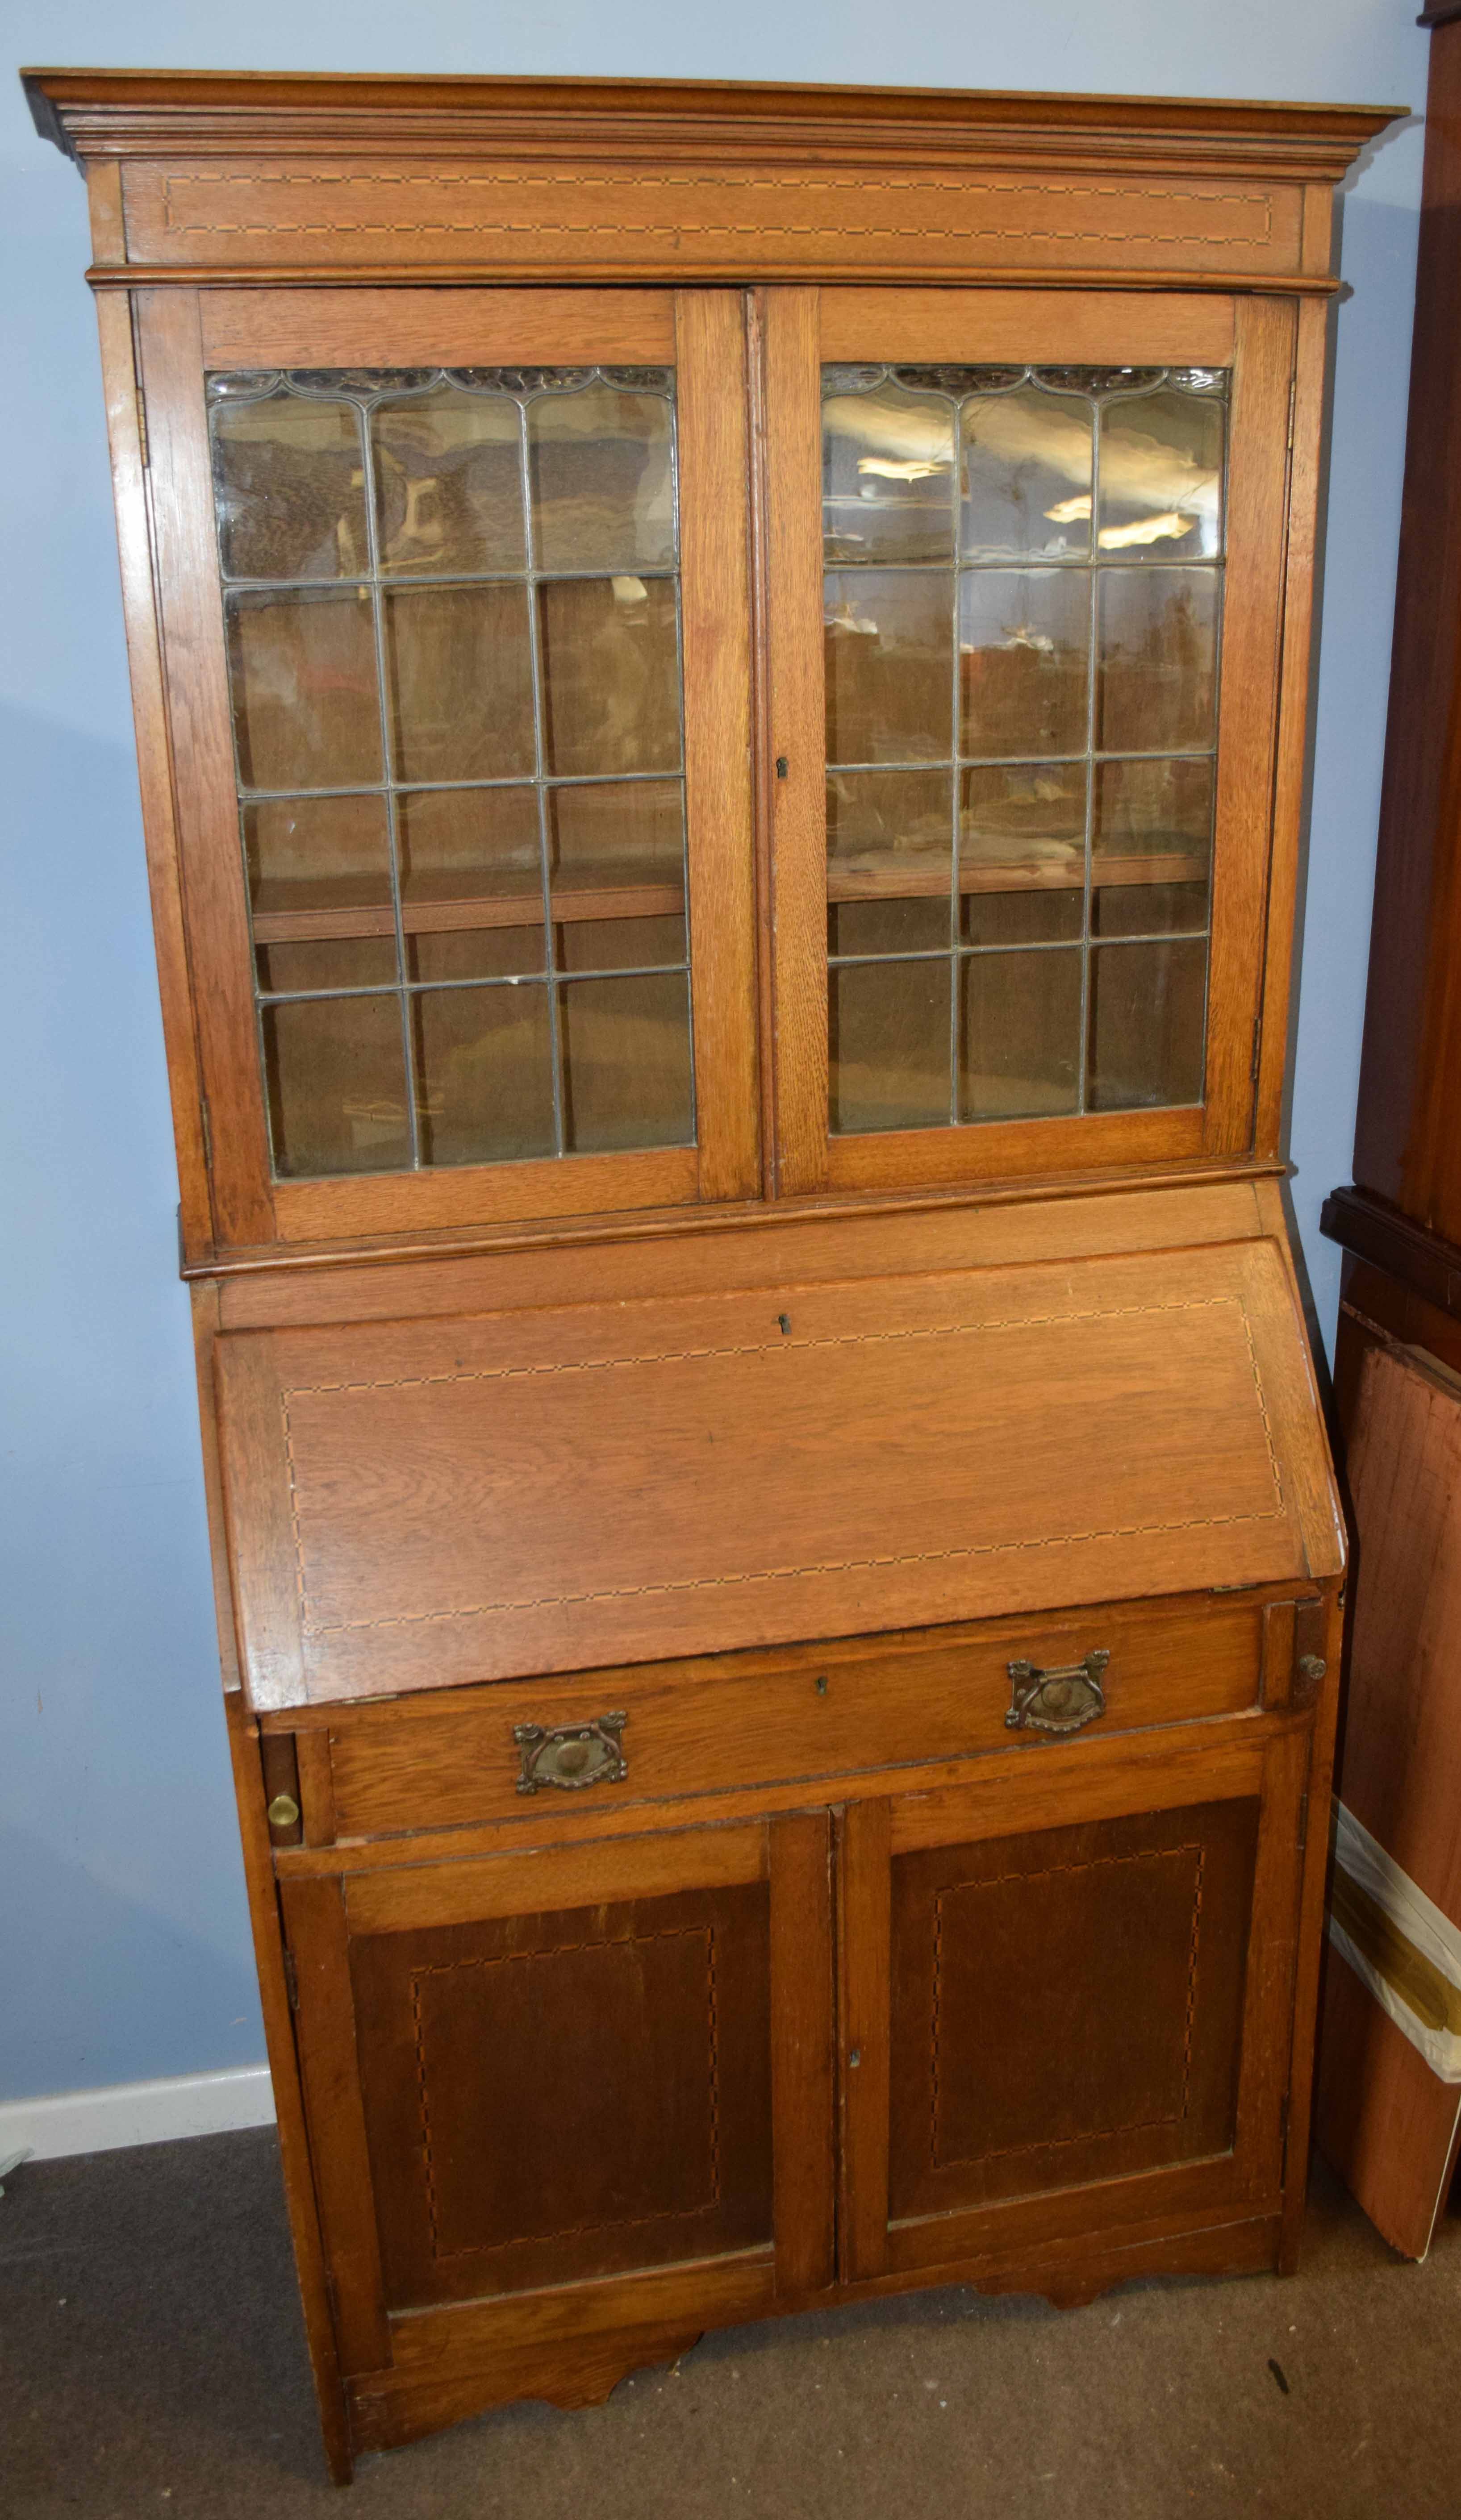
[1401,1769]
[1384,2118]
[476,1499]
[1388,2125]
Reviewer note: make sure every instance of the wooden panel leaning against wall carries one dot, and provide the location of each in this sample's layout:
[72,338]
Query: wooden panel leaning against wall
[720,702]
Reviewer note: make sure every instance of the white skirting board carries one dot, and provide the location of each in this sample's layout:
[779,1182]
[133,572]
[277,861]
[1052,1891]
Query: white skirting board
[123,2113]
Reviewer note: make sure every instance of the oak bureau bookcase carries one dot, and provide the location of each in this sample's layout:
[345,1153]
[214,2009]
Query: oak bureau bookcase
[721,679]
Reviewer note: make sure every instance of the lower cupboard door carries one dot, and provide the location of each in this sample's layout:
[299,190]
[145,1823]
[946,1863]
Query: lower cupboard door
[600,2070]
[1067,2007]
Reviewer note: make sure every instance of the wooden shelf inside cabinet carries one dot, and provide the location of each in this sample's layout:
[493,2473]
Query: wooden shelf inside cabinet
[890,877]
[280,926]
[727,1127]
[894,875]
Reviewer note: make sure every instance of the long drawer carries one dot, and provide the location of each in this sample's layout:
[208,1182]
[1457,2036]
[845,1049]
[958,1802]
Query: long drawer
[804,1713]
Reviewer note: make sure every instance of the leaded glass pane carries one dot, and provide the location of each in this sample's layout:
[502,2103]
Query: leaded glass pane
[452,618]
[1023,610]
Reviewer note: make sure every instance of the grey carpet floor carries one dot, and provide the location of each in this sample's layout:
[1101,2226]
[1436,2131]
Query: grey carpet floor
[152,2363]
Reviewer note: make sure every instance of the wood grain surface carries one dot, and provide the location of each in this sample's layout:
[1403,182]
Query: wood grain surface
[476,1499]
[449,1761]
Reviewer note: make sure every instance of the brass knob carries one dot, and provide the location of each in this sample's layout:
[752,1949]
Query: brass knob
[1312,1666]
[282,1812]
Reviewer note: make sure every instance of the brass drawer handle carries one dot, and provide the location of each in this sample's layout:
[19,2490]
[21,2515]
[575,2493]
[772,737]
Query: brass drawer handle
[1058,1702]
[571,1754]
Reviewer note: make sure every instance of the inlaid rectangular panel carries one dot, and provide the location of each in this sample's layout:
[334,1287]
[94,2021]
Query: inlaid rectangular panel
[721,220]
[556,2097]
[1068,2005]
[413,1504]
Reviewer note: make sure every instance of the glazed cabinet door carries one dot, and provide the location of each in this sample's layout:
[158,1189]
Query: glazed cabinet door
[1067,2007]
[452,588]
[1027,560]
[560,2093]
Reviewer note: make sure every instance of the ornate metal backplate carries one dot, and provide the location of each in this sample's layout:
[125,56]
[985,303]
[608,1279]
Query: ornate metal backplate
[571,1754]
[1061,1700]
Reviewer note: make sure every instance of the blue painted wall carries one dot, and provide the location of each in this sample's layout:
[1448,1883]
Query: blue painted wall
[125,1949]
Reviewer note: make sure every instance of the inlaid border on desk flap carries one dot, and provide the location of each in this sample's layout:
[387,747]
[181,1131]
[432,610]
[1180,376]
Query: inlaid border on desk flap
[424,1504]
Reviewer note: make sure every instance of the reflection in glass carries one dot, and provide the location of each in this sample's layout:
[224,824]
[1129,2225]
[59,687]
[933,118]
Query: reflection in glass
[888,636]
[1021,851]
[471,882]
[890,1044]
[889,860]
[448,482]
[1018,1035]
[460,672]
[1161,476]
[318,852]
[627,1063]
[1147,1021]
[618,944]
[289,485]
[611,675]
[1027,475]
[619,836]
[602,480]
[422,882]
[294,968]
[484,1074]
[1156,659]
[1152,847]
[1077,711]
[467,844]
[336,1081]
[1023,660]
[494,951]
[306,708]
[888,466]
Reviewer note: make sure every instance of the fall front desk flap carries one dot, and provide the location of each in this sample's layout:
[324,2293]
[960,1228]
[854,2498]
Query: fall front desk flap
[414,1504]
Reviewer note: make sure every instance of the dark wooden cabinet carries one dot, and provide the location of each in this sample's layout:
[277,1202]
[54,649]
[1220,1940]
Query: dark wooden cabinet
[1390,2098]
[720,702]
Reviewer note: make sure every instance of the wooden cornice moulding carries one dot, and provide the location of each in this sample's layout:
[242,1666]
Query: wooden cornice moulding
[91,113]
[227,174]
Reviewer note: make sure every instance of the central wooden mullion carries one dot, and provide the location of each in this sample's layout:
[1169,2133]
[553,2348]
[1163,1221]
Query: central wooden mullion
[801,2052]
[864,2030]
[715,618]
[791,463]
